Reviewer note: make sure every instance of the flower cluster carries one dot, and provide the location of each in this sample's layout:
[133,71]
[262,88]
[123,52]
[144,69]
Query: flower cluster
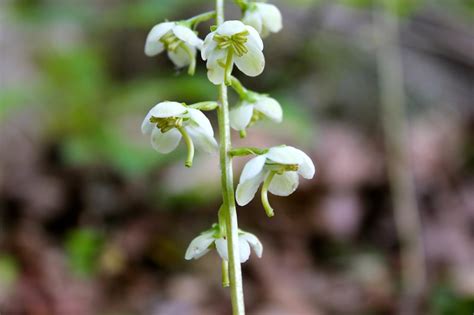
[252,108]
[278,170]
[230,43]
[214,238]
[178,40]
[264,17]
[168,122]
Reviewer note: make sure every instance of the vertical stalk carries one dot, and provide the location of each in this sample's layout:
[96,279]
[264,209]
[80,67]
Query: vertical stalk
[401,180]
[235,273]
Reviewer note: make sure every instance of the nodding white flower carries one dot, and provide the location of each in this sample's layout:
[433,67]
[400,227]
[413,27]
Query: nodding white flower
[264,17]
[232,42]
[212,238]
[178,40]
[278,169]
[251,110]
[167,122]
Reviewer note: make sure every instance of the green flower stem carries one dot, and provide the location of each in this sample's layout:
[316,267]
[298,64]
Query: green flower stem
[189,145]
[228,66]
[227,182]
[225,274]
[243,4]
[238,87]
[195,20]
[204,106]
[244,151]
[264,195]
[192,58]
[221,215]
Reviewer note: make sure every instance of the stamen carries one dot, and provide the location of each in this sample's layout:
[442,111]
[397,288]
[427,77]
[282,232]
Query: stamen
[236,42]
[170,41]
[168,123]
[256,116]
[281,168]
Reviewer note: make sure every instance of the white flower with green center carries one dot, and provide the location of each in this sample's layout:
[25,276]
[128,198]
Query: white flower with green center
[232,42]
[168,122]
[256,107]
[264,17]
[213,238]
[178,40]
[278,170]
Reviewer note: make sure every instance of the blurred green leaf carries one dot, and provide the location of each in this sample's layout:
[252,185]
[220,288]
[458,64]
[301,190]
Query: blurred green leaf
[298,121]
[13,98]
[146,13]
[8,271]
[83,247]
[445,302]
[400,7]
[40,11]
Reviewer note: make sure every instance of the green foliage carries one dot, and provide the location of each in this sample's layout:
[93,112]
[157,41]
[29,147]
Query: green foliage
[400,7]
[147,12]
[12,99]
[8,271]
[83,247]
[40,11]
[297,121]
[446,302]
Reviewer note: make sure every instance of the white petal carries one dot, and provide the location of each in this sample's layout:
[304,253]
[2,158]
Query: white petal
[254,242]
[221,246]
[254,19]
[167,109]
[202,139]
[208,46]
[285,184]
[200,130]
[187,35]
[244,250]
[254,38]
[271,16]
[201,120]
[240,116]
[153,45]
[246,190]
[284,155]
[165,142]
[253,168]
[147,126]
[180,57]
[306,167]
[251,63]
[229,28]
[199,246]
[270,108]
[215,72]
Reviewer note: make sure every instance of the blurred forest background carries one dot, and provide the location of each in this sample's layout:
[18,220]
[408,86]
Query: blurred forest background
[93,221]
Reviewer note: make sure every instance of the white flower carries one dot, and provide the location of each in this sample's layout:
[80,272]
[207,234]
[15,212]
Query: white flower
[278,169]
[264,17]
[167,122]
[179,41]
[250,111]
[202,244]
[232,42]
